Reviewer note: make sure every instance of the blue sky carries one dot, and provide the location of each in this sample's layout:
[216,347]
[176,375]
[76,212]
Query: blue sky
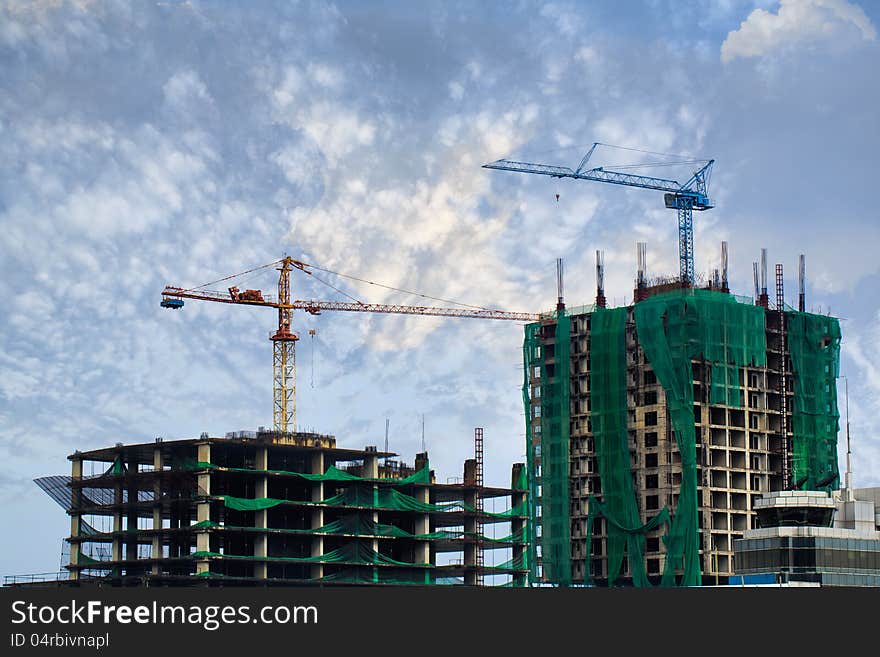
[151,143]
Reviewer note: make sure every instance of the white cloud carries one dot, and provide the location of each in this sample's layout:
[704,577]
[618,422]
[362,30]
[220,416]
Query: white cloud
[184,90]
[326,76]
[858,350]
[285,94]
[798,22]
[332,138]
[441,243]
[309,103]
[566,18]
[647,128]
[299,162]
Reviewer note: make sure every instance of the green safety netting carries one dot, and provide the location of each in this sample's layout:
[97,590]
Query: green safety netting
[354,553]
[555,499]
[246,504]
[117,467]
[814,346]
[368,497]
[673,329]
[378,576]
[357,525]
[519,536]
[531,359]
[422,476]
[517,563]
[373,576]
[633,535]
[608,414]
[85,559]
[333,473]
[554,462]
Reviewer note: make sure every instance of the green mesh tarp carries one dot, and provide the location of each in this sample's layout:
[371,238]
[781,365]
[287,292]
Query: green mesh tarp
[352,553]
[352,576]
[608,414]
[358,525]
[422,476]
[673,329]
[517,563]
[555,499]
[550,452]
[814,346]
[531,359]
[333,473]
[245,504]
[630,535]
[85,559]
[370,497]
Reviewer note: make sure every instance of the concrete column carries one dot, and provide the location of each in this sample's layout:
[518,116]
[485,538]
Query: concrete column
[470,546]
[471,526]
[75,515]
[517,525]
[422,552]
[116,545]
[371,471]
[261,540]
[132,514]
[371,463]
[156,547]
[203,509]
[317,467]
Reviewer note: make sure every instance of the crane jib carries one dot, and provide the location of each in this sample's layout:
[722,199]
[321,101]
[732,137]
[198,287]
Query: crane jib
[693,195]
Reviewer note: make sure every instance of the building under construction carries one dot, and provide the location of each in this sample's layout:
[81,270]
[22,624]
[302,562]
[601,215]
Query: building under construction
[653,428]
[285,509]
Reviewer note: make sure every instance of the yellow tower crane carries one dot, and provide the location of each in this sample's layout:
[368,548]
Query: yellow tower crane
[284,339]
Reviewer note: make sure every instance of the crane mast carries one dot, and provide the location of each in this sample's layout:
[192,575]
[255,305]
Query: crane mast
[284,339]
[284,357]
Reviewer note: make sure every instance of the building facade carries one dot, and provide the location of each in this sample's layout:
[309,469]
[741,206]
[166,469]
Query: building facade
[283,509]
[653,429]
[806,537]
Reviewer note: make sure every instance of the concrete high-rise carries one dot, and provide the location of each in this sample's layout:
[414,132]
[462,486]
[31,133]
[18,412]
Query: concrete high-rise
[268,508]
[653,429]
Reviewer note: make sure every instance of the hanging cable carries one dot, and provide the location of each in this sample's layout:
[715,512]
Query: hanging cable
[639,150]
[226,278]
[389,287]
[657,164]
[342,292]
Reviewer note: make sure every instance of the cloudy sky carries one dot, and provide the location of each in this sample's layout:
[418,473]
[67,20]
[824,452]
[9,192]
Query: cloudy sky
[144,144]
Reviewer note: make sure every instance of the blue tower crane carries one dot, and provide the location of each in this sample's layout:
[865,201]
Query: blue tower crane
[684,198]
